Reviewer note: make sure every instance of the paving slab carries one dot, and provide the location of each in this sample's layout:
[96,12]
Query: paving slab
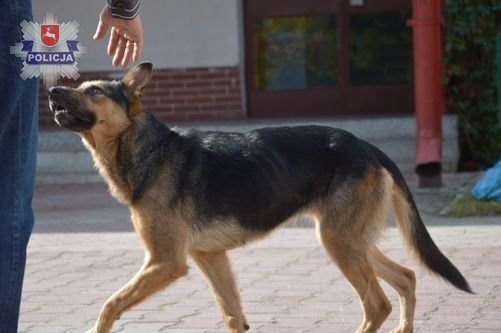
[287,283]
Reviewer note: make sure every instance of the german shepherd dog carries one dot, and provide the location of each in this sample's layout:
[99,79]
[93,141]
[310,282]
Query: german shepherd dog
[199,194]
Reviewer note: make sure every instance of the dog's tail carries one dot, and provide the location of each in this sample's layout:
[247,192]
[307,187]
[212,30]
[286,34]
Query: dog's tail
[413,231]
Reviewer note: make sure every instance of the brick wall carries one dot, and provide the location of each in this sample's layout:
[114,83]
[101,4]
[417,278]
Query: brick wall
[178,94]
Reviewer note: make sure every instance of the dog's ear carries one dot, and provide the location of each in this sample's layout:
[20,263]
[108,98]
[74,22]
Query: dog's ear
[136,79]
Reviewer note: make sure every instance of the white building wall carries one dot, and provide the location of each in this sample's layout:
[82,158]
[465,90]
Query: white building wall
[178,33]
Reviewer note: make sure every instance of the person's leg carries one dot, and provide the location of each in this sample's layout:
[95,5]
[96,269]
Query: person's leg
[18,143]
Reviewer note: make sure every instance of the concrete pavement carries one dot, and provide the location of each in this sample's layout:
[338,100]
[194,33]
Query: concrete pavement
[83,249]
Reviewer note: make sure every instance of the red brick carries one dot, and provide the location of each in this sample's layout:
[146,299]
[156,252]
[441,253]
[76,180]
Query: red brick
[168,84]
[212,75]
[197,83]
[199,100]
[234,90]
[184,76]
[156,93]
[160,109]
[233,74]
[183,92]
[212,106]
[172,117]
[162,75]
[171,100]
[199,116]
[227,99]
[212,91]
[236,107]
[223,82]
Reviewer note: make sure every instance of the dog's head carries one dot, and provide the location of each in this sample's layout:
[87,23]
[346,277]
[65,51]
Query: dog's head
[100,109]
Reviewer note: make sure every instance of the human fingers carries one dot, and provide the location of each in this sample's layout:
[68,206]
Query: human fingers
[100,30]
[119,52]
[129,50]
[113,43]
[138,49]
[102,27]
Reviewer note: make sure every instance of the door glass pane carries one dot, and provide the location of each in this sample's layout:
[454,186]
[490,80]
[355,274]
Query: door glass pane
[381,48]
[295,52]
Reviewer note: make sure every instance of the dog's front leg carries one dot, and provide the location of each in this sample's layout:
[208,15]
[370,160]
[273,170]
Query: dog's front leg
[216,269]
[153,276]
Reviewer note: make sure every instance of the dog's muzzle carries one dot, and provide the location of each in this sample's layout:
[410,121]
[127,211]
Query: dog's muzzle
[67,110]
[55,94]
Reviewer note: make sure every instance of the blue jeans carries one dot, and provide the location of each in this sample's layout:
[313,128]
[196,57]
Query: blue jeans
[18,149]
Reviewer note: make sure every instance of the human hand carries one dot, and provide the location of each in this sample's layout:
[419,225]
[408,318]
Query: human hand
[126,38]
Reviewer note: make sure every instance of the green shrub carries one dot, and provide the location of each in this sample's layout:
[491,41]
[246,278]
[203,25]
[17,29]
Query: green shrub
[470,33]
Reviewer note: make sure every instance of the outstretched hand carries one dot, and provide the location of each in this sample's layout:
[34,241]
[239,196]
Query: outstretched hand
[126,38]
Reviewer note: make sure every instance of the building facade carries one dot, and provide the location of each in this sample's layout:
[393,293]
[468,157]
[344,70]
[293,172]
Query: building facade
[236,59]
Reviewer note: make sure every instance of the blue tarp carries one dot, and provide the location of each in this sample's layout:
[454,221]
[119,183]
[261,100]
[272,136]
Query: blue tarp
[488,187]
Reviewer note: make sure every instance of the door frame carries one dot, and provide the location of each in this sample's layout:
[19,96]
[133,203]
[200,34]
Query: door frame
[342,99]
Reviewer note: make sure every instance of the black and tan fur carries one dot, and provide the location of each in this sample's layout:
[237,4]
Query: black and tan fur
[200,194]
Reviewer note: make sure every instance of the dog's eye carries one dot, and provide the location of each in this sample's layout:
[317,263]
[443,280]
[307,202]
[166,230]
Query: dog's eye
[94,91]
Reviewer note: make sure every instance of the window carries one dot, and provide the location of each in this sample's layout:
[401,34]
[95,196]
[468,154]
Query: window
[295,52]
[381,48]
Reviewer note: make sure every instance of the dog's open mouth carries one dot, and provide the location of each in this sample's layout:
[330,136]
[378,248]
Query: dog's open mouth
[71,118]
[59,110]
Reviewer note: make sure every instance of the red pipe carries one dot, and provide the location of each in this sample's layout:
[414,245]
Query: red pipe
[429,99]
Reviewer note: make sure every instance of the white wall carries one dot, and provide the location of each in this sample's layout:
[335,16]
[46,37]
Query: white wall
[178,33]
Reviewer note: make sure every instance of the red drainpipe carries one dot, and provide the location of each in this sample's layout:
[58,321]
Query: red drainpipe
[429,99]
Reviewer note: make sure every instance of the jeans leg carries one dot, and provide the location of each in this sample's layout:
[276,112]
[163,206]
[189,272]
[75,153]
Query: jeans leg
[18,148]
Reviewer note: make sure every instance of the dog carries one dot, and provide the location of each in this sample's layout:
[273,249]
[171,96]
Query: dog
[200,194]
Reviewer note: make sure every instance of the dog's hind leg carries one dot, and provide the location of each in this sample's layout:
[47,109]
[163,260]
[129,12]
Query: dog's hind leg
[354,262]
[403,281]
[153,276]
[349,222]
[217,271]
